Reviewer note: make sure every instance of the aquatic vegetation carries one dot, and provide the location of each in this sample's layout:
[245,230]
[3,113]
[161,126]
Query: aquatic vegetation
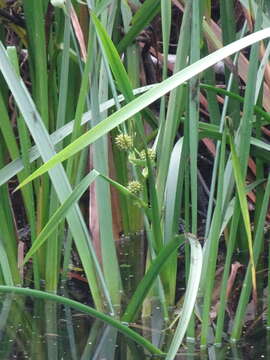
[93,101]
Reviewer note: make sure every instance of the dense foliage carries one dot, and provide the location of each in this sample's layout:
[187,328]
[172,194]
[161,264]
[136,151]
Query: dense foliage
[158,111]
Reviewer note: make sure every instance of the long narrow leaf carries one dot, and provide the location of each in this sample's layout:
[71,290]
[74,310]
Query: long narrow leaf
[59,179]
[16,166]
[148,10]
[60,213]
[147,281]
[148,98]
[190,296]
[240,185]
[86,309]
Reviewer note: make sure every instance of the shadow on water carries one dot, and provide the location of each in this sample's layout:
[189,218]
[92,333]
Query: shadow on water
[40,330]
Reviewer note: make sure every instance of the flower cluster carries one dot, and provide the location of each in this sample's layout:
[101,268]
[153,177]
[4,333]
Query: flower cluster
[124,141]
[150,152]
[135,187]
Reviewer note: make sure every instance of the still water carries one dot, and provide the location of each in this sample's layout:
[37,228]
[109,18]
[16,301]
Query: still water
[39,330]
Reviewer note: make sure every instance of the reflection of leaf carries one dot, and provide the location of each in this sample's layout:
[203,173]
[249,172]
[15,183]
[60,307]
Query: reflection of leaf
[86,309]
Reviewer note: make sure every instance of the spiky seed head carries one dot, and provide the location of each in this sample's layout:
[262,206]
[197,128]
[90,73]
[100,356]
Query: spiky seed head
[151,154]
[135,187]
[124,141]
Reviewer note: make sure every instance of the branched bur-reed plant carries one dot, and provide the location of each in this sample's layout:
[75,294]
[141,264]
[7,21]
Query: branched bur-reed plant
[74,96]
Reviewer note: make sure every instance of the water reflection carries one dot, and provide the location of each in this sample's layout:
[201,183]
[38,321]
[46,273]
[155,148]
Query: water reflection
[44,330]
[41,330]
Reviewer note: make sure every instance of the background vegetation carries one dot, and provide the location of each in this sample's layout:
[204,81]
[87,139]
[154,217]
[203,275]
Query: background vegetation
[122,101]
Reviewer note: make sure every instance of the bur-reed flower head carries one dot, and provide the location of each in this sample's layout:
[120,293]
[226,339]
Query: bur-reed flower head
[150,152]
[124,141]
[135,187]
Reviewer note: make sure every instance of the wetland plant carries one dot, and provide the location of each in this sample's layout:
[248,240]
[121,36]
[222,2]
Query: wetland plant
[121,101]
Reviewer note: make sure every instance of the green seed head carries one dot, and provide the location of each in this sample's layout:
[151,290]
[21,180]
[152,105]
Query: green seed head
[151,154]
[134,187]
[124,141]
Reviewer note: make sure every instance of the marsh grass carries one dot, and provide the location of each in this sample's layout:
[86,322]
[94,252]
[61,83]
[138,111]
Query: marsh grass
[85,116]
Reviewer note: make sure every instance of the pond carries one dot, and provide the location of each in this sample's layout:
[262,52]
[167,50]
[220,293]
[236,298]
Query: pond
[45,330]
